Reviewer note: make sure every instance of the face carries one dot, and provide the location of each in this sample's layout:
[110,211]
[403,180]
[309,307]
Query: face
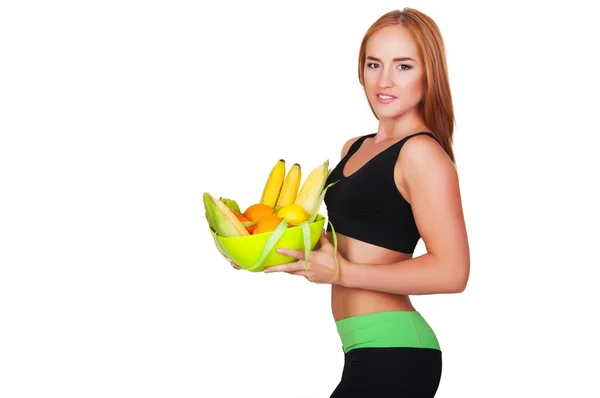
[393,72]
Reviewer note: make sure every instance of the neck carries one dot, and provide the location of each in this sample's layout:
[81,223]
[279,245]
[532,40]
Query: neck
[398,127]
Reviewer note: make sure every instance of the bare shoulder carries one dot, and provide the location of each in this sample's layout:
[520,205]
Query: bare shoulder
[348,144]
[423,157]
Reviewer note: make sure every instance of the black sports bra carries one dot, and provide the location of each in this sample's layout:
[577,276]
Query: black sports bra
[367,204]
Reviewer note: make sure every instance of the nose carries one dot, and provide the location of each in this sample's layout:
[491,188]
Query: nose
[385,80]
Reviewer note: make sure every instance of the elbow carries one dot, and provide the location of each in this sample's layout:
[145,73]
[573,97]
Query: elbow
[459,286]
[458,278]
[455,286]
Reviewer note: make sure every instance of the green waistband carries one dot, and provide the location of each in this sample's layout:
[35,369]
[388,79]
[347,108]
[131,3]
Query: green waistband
[386,329]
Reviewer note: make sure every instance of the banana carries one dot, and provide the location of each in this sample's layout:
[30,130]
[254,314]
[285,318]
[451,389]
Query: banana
[289,190]
[221,219]
[273,185]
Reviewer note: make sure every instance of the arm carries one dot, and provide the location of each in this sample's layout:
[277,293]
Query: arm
[431,181]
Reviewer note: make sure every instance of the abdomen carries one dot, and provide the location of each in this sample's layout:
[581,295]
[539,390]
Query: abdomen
[347,302]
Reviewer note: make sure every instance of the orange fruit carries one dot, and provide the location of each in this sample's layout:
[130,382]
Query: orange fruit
[240,217]
[267,224]
[258,211]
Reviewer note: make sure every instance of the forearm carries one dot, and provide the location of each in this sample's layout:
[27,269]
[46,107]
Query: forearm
[426,274]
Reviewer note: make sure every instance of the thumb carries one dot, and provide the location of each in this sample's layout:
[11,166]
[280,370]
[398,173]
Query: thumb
[323,239]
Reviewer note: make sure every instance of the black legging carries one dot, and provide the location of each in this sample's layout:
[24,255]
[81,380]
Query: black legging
[390,373]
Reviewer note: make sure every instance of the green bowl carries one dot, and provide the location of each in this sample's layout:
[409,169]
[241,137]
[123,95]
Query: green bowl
[245,250]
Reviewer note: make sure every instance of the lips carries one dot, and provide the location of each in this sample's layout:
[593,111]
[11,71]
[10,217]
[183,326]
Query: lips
[385,98]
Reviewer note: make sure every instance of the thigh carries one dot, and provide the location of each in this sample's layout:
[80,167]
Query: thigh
[390,372]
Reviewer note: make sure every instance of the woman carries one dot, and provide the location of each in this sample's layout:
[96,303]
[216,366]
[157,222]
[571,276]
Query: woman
[393,187]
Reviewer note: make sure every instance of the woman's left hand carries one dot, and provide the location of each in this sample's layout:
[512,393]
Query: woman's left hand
[322,267]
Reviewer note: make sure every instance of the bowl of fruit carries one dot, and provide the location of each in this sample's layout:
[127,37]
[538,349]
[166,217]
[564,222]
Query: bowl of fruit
[287,215]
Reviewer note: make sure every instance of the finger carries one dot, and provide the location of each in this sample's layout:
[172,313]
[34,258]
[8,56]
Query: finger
[298,273]
[304,274]
[289,267]
[299,254]
[234,265]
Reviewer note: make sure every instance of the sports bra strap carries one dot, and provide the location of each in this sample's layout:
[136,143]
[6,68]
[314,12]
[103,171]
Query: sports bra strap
[354,147]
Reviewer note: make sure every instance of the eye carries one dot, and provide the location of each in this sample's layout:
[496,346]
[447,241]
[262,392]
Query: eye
[372,65]
[405,67]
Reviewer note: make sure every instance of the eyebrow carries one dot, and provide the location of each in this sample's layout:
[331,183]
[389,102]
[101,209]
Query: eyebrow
[394,60]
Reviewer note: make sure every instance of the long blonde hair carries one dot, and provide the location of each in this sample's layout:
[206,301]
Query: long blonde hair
[436,107]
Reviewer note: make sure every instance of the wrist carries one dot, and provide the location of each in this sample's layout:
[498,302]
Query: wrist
[345,273]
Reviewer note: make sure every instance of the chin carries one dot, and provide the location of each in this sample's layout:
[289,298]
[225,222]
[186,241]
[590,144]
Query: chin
[388,113]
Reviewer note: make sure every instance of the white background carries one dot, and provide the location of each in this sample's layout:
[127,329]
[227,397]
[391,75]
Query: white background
[110,285]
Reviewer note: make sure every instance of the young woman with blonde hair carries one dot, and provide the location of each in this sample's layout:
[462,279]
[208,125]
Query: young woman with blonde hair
[394,187]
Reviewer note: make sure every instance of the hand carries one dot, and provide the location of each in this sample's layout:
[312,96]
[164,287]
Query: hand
[234,265]
[322,267]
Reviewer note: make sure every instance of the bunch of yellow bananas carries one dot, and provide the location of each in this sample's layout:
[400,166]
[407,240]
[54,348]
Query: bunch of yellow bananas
[282,193]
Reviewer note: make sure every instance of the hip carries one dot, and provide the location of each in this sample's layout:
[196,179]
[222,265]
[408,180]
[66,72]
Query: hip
[390,372]
[386,329]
